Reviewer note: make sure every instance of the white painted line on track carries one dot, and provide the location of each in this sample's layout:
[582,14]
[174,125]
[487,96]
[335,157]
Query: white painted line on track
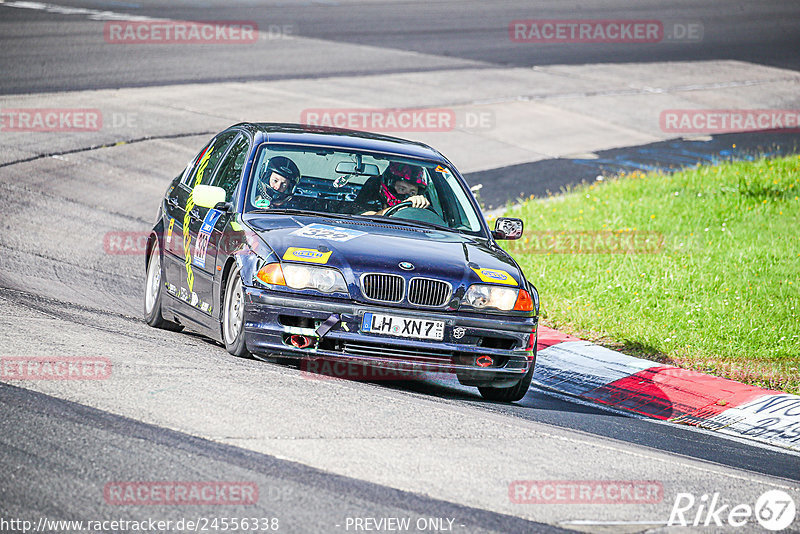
[91,14]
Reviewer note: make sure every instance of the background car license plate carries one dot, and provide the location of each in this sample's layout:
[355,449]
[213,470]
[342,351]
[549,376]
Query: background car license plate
[376,323]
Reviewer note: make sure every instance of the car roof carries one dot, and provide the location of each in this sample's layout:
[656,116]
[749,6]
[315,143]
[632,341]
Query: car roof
[274,132]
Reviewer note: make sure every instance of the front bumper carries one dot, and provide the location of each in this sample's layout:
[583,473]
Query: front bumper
[272,318]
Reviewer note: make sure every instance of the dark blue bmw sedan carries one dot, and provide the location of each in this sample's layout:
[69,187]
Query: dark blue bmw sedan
[315,244]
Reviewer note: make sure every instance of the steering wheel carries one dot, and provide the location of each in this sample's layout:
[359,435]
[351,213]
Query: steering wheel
[403,205]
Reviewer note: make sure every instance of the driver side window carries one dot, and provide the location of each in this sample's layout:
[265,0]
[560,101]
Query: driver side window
[230,170]
[207,159]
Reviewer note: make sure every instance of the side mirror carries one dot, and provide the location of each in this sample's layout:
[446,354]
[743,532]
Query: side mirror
[507,228]
[208,196]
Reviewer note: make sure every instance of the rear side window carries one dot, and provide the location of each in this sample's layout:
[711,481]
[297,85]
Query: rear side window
[230,170]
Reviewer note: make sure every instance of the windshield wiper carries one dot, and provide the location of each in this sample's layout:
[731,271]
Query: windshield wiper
[401,222]
[290,211]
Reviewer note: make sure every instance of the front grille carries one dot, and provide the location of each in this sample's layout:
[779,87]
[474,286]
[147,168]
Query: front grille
[428,292]
[390,352]
[383,287]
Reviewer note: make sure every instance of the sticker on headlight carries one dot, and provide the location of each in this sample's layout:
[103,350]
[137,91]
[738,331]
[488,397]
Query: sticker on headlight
[169,230]
[495,276]
[309,255]
[324,231]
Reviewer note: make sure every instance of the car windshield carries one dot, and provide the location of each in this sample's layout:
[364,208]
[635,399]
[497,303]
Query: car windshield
[360,184]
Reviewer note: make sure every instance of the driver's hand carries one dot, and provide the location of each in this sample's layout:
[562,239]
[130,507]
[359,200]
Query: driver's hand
[419,201]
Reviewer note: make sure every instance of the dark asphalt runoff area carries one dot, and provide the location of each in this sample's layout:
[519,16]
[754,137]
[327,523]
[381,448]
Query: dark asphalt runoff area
[57,456]
[507,185]
[55,52]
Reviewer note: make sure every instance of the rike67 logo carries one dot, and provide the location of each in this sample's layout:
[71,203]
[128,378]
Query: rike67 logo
[774,510]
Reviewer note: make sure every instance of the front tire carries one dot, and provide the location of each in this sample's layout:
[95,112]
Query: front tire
[153,290]
[233,316]
[511,393]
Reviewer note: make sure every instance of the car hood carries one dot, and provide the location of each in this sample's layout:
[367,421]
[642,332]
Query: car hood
[356,247]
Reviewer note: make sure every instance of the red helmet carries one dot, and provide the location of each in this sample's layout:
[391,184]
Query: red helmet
[401,171]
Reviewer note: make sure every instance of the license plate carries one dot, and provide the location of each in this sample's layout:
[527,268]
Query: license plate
[377,323]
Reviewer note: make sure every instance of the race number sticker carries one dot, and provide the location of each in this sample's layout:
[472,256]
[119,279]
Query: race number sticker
[199,255]
[495,276]
[330,233]
[306,254]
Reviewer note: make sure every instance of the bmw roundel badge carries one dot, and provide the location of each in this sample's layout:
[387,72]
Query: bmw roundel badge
[406,265]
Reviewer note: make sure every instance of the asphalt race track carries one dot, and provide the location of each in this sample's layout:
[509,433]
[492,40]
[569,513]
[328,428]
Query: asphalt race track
[321,452]
[392,36]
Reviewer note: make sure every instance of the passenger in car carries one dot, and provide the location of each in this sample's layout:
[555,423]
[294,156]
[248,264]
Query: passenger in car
[400,182]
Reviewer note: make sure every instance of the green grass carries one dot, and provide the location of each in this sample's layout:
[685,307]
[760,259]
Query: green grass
[721,295]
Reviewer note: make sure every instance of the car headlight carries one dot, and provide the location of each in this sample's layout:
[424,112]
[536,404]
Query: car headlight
[322,279]
[319,278]
[482,296]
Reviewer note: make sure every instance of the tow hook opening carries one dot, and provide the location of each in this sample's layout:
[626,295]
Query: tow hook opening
[300,341]
[484,361]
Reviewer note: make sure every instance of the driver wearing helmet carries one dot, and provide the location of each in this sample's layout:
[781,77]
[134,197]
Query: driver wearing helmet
[400,182]
[277,182]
